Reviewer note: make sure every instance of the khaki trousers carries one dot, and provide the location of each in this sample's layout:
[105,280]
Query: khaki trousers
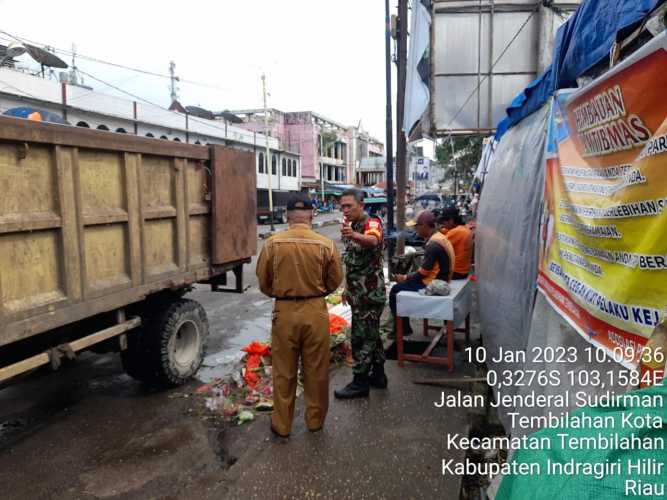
[300,331]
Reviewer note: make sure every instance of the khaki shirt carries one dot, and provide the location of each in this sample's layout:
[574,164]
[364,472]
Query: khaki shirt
[299,263]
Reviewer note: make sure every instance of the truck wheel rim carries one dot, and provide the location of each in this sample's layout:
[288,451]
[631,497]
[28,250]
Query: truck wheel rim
[184,345]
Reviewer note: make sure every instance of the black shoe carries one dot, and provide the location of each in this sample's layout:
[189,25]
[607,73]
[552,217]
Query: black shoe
[377,379]
[358,388]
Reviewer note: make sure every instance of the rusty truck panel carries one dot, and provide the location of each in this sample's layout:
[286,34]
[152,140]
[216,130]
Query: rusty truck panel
[91,221]
[235,201]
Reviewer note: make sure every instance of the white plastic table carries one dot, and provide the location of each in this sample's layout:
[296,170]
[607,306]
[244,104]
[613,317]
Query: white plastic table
[453,309]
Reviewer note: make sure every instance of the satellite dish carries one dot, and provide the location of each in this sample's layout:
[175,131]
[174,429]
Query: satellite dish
[11,51]
[44,57]
[14,49]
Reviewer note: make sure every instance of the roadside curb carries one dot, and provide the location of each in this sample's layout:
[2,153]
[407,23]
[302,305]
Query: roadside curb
[316,225]
[325,223]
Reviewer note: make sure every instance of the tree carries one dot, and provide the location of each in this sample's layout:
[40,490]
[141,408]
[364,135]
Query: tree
[459,157]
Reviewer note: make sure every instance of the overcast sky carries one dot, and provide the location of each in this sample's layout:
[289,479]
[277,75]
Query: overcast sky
[326,56]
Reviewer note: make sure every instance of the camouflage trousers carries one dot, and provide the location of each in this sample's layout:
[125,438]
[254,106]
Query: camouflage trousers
[367,348]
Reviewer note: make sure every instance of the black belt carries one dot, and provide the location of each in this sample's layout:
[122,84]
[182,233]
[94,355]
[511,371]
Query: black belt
[301,298]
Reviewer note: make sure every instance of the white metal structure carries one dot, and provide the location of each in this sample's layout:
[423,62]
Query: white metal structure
[483,53]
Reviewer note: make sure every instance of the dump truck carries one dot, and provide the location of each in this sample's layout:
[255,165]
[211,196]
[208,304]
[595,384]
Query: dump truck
[101,237]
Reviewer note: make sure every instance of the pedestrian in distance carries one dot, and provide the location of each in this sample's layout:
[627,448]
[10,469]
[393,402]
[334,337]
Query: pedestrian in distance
[298,268]
[365,293]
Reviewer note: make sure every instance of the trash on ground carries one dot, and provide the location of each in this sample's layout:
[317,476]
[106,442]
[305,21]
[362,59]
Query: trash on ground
[248,389]
[245,416]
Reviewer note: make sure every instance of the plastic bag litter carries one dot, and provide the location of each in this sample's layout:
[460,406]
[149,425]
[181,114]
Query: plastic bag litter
[255,352]
[215,403]
[337,324]
[264,406]
[436,287]
[245,416]
[342,310]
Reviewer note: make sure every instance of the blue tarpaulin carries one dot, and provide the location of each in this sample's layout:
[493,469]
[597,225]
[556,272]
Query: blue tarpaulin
[582,42]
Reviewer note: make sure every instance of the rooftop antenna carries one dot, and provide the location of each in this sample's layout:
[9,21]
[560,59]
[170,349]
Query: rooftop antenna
[174,79]
[73,76]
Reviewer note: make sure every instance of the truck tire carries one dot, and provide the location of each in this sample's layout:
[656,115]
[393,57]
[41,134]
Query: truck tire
[170,347]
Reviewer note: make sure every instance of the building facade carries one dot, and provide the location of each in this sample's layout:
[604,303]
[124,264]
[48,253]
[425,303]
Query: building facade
[83,107]
[330,153]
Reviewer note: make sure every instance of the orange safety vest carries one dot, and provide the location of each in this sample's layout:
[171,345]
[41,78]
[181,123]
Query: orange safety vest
[442,240]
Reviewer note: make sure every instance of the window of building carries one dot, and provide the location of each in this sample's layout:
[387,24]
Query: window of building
[176,139]
[121,131]
[164,137]
[261,163]
[274,165]
[83,124]
[285,167]
[149,135]
[197,142]
[102,127]
[296,168]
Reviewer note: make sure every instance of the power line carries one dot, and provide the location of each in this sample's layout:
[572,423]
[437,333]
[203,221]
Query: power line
[116,65]
[139,98]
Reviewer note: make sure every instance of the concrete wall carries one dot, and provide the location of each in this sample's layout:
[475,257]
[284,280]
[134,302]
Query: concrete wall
[279,181]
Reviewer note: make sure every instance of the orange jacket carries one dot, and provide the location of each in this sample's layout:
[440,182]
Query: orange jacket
[461,239]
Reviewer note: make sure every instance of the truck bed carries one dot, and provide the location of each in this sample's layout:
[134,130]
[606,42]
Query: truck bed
[91,221]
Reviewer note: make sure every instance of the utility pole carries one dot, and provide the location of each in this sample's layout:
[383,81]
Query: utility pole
[73,80]
[173,79]
[269,163]
[456,181]
[390,146]
[322,153]
[401,146]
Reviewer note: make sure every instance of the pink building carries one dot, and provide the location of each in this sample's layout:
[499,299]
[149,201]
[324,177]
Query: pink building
[330,152]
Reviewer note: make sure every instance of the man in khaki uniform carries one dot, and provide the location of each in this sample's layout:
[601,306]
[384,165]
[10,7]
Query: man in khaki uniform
[298,268]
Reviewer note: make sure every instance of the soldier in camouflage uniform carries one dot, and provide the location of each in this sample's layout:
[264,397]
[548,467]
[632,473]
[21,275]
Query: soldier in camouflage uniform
[366,294]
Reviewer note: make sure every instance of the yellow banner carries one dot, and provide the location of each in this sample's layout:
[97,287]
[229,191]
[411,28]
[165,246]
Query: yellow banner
[603,262]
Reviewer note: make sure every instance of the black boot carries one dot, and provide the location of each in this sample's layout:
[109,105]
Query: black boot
[358,388]
[377,378]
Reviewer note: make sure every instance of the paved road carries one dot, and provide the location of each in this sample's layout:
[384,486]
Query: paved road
[91,432]
[320,219]
[236,320]
[61,433]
